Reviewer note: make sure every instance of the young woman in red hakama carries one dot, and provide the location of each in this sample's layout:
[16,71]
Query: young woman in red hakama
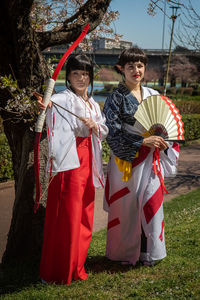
[75,167]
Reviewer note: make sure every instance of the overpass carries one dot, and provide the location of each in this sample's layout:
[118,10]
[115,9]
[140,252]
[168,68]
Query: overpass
[156,57]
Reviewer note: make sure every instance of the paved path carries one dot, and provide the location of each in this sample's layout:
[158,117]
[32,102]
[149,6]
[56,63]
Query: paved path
[187,179]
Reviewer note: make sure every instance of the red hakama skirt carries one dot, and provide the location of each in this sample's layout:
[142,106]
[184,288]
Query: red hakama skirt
[69,220]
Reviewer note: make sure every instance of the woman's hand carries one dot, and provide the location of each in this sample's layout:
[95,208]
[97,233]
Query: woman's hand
[90,124]
[155,141]
[40,101]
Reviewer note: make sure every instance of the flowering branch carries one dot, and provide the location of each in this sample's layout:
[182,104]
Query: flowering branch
[20,103]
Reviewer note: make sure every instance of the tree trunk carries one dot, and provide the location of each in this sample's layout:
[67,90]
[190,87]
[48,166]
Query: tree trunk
[161,81]
[173,81]
[25,235]
[21,57]
[183,83]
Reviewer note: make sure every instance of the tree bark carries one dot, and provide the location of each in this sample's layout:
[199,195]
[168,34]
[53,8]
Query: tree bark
[25,235]
[21,56]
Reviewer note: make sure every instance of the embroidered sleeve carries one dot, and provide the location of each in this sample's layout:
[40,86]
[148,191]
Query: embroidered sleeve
[120,109]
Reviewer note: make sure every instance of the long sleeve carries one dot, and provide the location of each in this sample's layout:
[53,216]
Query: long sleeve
[120,109]
[102,130]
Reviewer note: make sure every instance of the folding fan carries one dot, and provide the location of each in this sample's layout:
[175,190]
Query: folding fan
[157,115]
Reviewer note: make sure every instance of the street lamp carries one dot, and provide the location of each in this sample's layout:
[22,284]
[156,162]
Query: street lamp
[173,17]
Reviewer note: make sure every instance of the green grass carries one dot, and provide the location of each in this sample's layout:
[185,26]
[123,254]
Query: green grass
[176,277]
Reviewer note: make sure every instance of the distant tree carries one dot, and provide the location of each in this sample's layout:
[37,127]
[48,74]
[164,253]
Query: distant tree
[107,74]
[181,49]
[181,69]
[152,75]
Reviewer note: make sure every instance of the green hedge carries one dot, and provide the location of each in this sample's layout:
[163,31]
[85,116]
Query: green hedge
[184,93]
[6,169]
[187,107]
[191,127]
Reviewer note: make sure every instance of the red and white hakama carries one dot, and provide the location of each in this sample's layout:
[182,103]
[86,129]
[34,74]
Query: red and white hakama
[135,207]
[75,163]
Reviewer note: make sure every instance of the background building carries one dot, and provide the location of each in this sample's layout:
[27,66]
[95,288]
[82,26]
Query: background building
[109,43]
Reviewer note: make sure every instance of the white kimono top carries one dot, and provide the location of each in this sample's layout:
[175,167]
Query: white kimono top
[63,128]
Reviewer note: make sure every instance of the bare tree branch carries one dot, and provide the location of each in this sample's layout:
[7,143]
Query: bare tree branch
[188,33]
[90,13]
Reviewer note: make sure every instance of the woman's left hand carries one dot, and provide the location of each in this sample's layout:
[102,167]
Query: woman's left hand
[155,141]
[40,101]
[90,124]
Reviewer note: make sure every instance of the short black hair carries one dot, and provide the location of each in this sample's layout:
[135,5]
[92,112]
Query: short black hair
[133,54]
[80,62]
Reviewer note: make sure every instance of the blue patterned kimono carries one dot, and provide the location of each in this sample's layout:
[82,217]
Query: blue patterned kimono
[119,109]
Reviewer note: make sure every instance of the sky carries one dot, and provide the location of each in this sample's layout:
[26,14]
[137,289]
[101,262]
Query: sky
[143,30]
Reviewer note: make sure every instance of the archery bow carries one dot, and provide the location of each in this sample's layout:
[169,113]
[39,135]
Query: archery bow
[42,115]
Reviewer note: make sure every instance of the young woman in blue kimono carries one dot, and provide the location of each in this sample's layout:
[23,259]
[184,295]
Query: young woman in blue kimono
[134,190]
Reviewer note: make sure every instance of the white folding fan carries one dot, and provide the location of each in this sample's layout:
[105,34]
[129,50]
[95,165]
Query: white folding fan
[157,115]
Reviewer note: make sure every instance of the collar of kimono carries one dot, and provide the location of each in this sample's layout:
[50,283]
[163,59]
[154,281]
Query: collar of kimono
[41,118]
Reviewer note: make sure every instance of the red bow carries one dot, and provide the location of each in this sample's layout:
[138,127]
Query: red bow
[42,115]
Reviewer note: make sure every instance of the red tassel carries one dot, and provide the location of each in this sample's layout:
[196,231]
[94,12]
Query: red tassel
[157,168]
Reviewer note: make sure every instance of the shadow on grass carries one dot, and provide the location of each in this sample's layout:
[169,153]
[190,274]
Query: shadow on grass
[99,264]
[14,277]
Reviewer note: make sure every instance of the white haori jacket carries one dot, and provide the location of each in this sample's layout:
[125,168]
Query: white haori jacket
[63,128]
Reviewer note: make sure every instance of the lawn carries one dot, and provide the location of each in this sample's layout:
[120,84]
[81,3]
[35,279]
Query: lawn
[176,277]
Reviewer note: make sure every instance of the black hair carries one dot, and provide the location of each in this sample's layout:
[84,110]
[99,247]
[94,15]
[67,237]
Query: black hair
[133,54]
[80,62]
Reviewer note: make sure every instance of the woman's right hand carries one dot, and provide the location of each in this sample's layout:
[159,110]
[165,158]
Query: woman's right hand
[90,124]
[40,101]
[155,141]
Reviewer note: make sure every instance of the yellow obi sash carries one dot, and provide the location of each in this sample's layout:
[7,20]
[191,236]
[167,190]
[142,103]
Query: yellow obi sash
[125,167]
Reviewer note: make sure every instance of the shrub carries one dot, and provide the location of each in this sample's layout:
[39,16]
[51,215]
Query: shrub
[109,87]
[106,151]
[187,107]
[1,125]
[172,90]
[101,104]
[6,167]
[185,91]
[191,126]
[196,92]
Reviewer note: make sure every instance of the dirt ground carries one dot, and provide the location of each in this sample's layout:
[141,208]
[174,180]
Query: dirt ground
[187,179]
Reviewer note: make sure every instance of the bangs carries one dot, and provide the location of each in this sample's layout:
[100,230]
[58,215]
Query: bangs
[132,55]
[80,62]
